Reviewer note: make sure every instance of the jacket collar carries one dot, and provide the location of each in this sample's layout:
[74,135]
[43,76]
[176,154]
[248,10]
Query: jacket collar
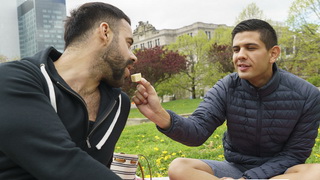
[267,89]
[48,56]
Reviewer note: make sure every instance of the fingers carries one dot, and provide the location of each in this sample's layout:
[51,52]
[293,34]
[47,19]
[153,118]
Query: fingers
[148,87]
[141,94]
[144,89]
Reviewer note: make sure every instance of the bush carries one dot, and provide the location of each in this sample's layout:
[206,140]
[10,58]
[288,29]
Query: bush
[315,80]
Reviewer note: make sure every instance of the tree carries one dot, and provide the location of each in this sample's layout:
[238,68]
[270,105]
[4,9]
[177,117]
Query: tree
[304,22]
[222,54]
[156,64]
[195,49]
[222,35]
[252,11]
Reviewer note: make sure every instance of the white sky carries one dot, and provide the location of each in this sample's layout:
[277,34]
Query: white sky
[171,14]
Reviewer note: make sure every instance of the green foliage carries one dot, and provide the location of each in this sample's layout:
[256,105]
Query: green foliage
[315,80]
[222,54]
[156,65]
[221,36]
[303,36]
[160,150]
[195,48]
[181,106]
[252,11]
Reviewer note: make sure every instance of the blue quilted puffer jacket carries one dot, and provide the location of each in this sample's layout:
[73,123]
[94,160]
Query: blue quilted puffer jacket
[273,127]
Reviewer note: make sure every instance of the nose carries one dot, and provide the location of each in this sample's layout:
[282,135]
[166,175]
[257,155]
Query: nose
[133,57]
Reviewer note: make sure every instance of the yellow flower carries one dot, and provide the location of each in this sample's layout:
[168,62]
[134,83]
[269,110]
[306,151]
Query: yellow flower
[156,149]
[162,140]
[164,152]
[173,154]
[167,157]
[157,137]
[118,147]
[221,156]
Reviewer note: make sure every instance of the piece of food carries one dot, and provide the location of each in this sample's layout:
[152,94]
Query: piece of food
[136,77]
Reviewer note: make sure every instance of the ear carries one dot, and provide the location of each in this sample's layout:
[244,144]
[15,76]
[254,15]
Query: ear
[104,31]
[274,53]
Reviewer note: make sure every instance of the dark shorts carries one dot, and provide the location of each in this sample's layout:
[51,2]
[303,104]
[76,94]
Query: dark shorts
[227,169]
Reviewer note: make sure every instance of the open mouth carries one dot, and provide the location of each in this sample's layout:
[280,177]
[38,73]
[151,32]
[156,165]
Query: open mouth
[243,67]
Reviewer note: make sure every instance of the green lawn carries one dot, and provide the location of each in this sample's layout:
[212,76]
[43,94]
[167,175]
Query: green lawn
[160,150]
[182,106]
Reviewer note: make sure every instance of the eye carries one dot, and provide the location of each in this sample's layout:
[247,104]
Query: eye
[236,50]
[251,48]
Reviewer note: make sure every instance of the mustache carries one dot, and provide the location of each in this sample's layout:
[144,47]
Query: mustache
[129,62]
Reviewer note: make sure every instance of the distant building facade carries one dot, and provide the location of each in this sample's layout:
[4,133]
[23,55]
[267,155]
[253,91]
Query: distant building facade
[40,25]
[9,35]
[147,36]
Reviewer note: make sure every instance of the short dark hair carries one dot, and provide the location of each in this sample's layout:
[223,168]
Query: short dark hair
[267,34]
[86,17]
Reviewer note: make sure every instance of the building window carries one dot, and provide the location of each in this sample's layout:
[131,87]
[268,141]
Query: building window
[157,42]
[208,33]
[142,46]
[149,44]
[190,34]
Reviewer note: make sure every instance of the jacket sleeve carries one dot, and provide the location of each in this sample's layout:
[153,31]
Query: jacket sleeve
[197,128]
[32,135]
[298,147]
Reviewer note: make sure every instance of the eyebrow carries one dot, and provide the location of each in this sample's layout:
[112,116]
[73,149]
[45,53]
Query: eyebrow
[248,44]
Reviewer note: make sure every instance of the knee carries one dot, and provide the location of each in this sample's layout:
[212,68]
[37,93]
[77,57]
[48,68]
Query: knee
[305,168]
[178,167]
[315,168]
[177,164]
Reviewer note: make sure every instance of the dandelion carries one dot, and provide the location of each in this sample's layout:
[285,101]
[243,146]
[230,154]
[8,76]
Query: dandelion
[173,154]
[156,149]
[162,140]
[167,157]
[318,155]
[164,152]
[157,137]
[118,147]
[158,161]
[221,156]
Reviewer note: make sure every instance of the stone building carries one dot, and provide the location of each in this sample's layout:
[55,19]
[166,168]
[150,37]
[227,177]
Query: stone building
[147,36]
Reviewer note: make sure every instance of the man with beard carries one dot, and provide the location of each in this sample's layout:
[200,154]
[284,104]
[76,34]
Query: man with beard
[62,114]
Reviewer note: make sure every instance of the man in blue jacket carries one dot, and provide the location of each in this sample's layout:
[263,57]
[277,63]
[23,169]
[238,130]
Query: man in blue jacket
[62,114]
[272,116]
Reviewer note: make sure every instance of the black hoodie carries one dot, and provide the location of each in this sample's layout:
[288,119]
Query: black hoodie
[38,143]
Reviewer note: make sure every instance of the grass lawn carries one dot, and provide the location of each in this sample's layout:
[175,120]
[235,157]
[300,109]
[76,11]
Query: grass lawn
[160,150]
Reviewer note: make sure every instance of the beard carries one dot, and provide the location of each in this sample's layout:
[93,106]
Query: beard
[113,65]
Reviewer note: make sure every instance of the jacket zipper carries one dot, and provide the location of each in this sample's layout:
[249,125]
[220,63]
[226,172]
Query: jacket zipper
[85,105]
[258,130]
[100,122]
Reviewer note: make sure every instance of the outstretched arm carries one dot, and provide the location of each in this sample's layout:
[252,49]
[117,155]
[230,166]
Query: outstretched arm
[148,103]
